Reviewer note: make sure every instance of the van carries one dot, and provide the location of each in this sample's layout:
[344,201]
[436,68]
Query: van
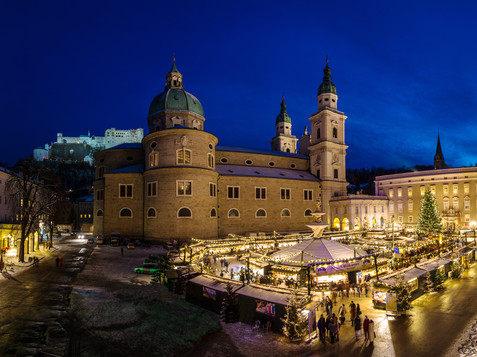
[100,240]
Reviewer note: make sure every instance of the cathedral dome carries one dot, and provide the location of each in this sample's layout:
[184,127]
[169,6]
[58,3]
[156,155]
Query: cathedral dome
[176,99]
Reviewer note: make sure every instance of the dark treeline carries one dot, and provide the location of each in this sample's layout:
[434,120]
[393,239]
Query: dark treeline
[362,180]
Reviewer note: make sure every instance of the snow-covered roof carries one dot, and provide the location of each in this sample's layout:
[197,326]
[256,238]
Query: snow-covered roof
[216,284]
[433,264]
[269,172]
[317,249]
[265,294]
[138,168]
[408,274]
[259,151]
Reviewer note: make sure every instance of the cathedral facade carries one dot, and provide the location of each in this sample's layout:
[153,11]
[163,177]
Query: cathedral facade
[179,183]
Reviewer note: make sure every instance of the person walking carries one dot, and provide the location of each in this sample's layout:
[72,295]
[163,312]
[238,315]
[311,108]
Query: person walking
[358,310]
[337,329]
[57,262]
[352,312]
[322,328]
[332,329]
[366,328]
[366,289]
[327,325]
[371,333]
[342,313]
[357,327]
[329,306]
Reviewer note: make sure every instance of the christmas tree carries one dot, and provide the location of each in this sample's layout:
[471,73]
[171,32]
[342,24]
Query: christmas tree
[229,310]
[294,323]
[429,221]
[427,283]
[439,278]
[403,294]
[457,269]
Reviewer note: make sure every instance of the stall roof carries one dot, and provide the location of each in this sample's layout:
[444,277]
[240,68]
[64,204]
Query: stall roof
[408,274]
[265,294]
[433,264]
[212,283]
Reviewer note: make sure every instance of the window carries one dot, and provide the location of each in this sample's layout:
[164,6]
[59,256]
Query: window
[260,213]
[335,173]
[335,133]
[410,219]
[100,171]
[391,193]
[356,210]
[126,191]
[99,195]
[467,217]
[400,219]
[224,160]
[399,192]
[285,212]
[423,190]
[365,210]
[260,193]
[248,162]
[466,203]
[153,159]
[285,193]
[184,188]
[318,173]
[308,213]
[151,213]
[466,188]
[410,206]
[212,189]
[318,133]
[391,207]
[184,212]
[308,195]
[399,207]
[446,205]
[234,213]
[152,189]
[99,213]
[233,192]
[125,212]
[455,203]
[446,189]
[409,191]
[455,189]
[433,190]
[210,160]
[183,156]
[271,163]
[213,212]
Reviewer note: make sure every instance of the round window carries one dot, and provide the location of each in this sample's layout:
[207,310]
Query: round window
[292,166]
[271,163]
[153,144]
[211,147]
[248,162]
[223,160]
[129,158]
[102,160]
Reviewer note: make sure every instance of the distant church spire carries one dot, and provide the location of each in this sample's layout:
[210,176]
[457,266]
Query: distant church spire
[174,77]
[439,162]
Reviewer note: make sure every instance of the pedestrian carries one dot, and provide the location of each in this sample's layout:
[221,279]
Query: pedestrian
[221,263]
[357,327]
[57,262]
[371,333]
[329,306]
[61,262]
[337,329]
[366,328]
[322,328]
[366,289]
[332,329]
[358,287]
[215,259]
[2,265]
[358,310]
[342,313]
[327,324]
[347,289]
[334,296]
[352,312]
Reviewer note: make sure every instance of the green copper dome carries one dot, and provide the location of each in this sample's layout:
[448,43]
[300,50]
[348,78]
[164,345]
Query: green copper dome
[327,86]
[283,117]
[176,99]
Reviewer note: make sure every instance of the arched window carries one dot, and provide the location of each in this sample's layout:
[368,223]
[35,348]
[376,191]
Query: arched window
[151,213]
[184,212]
[318,133]
[125,212]
[210,160]
[153,159]
[335,133]
[285,212]
[183,156]
[99,213]
[213,212]
[308,213]
[234,213]
[261,213]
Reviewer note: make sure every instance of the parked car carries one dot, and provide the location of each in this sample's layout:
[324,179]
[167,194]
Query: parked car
[114,242]
[90,241]
[100,240]
[130,246]
[149,268]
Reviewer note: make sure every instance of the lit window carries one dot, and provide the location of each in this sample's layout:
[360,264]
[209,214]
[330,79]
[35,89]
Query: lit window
[409,191]
[183,156]
[153,159]
[423,190]
[455,189]
[466,188]
[433,190]
[446,189]
[234,213]
[260,193]
[184,212]
[212,189]
[260,213]
[151,189]
[184,188]
[233,192]
[399,192]
[285,193]
[285,212]
[308,195]
[126,191]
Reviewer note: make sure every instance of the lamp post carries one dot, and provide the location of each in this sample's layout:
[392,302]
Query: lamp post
[392,233]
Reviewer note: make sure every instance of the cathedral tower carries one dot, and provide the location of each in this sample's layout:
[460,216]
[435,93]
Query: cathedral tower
[327,142]
[284,140]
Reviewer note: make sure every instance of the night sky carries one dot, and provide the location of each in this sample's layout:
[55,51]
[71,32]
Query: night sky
[403,71]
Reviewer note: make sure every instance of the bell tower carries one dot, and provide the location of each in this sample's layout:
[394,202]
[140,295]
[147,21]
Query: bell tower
[284,140]
[327,142]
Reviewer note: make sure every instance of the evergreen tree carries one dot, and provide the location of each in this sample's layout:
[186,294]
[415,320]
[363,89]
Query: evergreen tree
[229,309]
[429,221]
[181,282]
[403,294]
[438,279]
[294,323]
[428,284]
[457,269]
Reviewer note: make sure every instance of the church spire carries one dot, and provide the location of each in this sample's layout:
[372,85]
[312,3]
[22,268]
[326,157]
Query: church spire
[174,77]
[327,86]
[439,162]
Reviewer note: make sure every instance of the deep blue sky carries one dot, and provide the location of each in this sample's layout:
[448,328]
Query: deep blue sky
[403,71]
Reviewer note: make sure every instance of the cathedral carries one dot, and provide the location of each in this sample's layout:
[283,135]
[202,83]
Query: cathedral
[179,183]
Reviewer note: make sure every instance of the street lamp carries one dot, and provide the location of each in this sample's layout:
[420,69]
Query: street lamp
[392,233]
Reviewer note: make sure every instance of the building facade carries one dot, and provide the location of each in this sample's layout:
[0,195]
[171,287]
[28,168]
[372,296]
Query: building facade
[179,183]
